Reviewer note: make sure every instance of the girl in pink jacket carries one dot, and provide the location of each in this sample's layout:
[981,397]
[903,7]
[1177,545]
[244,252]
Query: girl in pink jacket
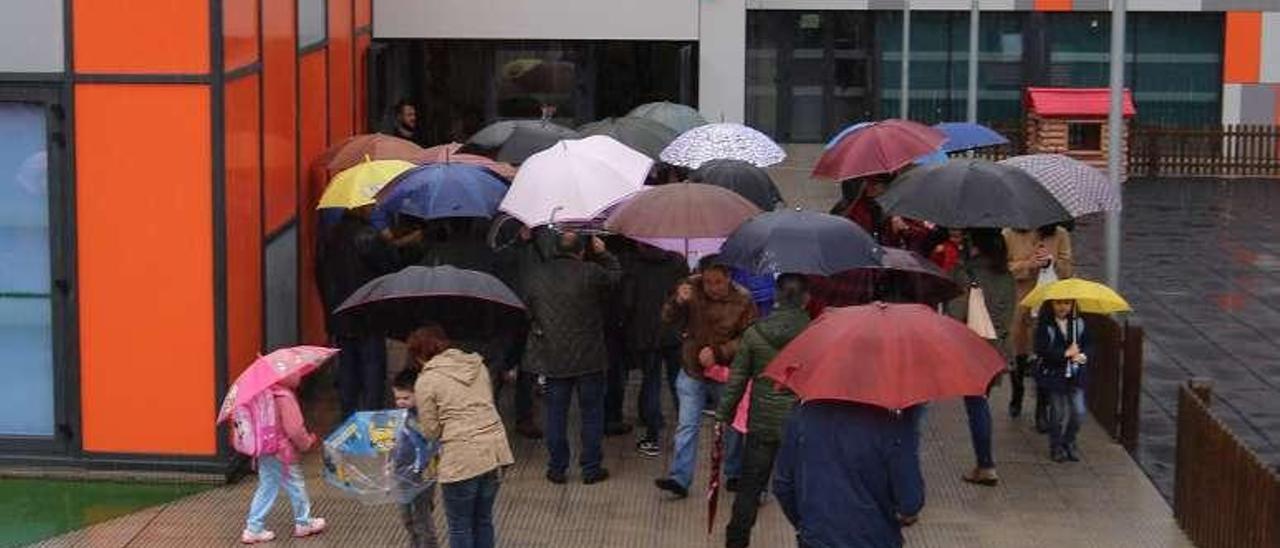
[283,469]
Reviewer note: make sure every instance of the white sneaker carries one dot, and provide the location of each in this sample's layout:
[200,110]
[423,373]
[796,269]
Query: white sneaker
[250,537]
[313,527]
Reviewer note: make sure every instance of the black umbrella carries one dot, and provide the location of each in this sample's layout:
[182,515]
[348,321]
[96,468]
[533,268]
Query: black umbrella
[525,142]
[801,242]
[494,135]
[747,180]
[973,194]
[468,304]
[645,135]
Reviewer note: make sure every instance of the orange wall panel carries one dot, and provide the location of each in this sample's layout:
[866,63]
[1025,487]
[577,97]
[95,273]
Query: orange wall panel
[341,113]
[145,252]
[1053,5]
[280,113]
[362,84]
[141,36]
[244,217]
[313,141]
[364,13]
[1242,52]
[239,33]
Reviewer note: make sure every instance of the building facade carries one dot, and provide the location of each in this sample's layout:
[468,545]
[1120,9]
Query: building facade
[154,209]
[802,69]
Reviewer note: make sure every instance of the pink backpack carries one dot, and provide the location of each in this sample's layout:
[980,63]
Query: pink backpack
[255,426]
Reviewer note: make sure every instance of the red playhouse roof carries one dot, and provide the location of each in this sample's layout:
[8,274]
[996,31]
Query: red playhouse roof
[1060,102]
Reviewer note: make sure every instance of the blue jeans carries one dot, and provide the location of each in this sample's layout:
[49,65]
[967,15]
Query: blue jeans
[362,373]
[1066,411]
[979,411]
[468,505]
[273,474]
[590,390]
[692,394]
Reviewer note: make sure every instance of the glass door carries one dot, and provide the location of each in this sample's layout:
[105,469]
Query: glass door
[30,300]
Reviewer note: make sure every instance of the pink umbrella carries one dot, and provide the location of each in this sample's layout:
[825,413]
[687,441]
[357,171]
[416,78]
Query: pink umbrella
[268,370]
[876,148]
[448,153]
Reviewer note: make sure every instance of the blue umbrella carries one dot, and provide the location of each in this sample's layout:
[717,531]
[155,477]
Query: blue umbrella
[936,157]
[801,242]
[845,133]
[438,191]
[963,136]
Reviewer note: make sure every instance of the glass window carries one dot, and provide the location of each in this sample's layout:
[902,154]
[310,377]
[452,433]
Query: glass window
[311,22]
[1085,136]
[26,339]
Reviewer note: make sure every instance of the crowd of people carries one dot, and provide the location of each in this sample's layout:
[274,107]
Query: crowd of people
[601,306]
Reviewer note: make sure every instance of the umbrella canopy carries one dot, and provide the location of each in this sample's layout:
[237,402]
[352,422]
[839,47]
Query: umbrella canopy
[801,242]
[1090,297]
[880,147]
[467,303]
[967,193]
[525,142]
[372,146]
[681,211]
[845,133]
[888,355]
[903,276]
[357,455]
[1081,188]
[722,141]
[438,191]
[575,180]
[267,370]
[747,180]
[494,135]
[962,136]
[680,118]
[357,186]
[449,153]
[642,134]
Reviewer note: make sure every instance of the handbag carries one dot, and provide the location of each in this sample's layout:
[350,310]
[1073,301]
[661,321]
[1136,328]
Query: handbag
[979,319]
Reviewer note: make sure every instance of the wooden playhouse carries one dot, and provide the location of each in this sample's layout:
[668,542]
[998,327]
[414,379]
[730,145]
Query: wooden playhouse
[1073,121]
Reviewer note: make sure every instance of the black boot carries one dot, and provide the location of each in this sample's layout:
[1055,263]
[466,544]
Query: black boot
[1017,380]
[1042,410]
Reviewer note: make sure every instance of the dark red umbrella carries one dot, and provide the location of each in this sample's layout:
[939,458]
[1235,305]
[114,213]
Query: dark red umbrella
[889,355]
[713,486]
[904,276]
[880,147]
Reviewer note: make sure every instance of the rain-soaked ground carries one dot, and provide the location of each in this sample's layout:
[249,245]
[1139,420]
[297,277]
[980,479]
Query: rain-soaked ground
[1201,266]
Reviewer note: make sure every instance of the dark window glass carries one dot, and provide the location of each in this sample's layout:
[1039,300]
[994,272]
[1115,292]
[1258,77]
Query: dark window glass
[1084,136]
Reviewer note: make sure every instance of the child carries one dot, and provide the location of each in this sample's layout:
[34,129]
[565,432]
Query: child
[283,469]
[1062,344]
[409,460]
[947,254]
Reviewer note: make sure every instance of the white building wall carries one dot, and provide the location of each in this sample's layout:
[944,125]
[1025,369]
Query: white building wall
[538,19]
[722,60]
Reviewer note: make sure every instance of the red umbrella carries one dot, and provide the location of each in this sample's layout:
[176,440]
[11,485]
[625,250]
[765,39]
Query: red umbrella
[904,274]
[370,146]
[713,487]
[889,355]
[880,147]
[448,153]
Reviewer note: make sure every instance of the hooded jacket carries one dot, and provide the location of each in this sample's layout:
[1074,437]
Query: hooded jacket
[455,406]
[770,403]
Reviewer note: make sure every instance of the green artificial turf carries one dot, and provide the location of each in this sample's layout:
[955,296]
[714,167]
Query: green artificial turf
[32,509]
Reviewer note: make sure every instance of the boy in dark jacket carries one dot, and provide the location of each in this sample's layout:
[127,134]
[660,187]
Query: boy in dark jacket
[409,460]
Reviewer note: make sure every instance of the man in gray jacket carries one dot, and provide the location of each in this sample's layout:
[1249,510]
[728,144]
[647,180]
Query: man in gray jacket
[566,297]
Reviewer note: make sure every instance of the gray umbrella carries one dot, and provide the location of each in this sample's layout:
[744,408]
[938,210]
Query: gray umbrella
[676,116]
[525,142]
[467,303]
[968,193]
[801,242]
[747,180]
[497,133]
[642,134]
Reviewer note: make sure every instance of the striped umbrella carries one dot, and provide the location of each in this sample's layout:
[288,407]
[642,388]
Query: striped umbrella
[1081,188]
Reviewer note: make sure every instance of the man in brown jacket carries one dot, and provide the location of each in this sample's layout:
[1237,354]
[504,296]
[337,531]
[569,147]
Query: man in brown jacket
[712,312]
[1030,251]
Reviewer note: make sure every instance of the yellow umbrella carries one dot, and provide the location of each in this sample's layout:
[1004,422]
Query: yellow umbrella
[357,185]
[1091,297]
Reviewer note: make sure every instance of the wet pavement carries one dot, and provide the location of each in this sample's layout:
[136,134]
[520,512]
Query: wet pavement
[1201,266]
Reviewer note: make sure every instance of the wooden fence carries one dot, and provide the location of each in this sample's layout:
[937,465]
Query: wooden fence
[1224,495]
[1225,151]
[1115,378]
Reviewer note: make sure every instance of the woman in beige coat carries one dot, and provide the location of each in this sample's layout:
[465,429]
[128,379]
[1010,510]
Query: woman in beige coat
[455,405]
[1031,251]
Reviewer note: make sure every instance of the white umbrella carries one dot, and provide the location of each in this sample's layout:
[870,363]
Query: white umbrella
[1081,188]
[575,180]
[725,141]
